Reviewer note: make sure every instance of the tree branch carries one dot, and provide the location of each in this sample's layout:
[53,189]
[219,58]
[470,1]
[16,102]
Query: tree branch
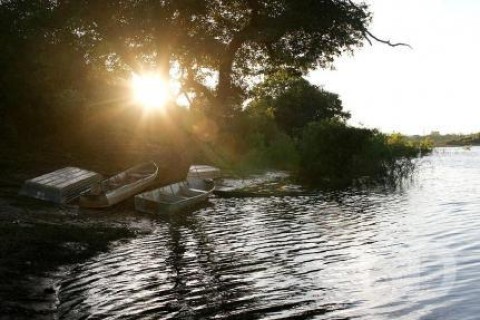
[201,88]
[368,34]
[239,38]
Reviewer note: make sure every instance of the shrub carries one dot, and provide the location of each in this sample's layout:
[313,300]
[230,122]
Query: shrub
[335,155]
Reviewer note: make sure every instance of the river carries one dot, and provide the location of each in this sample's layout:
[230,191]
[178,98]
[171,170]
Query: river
[413,253]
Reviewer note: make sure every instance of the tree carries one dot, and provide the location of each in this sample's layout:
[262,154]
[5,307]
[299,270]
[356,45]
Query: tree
[333,154]
[293,102]
[41,67]
[230,40]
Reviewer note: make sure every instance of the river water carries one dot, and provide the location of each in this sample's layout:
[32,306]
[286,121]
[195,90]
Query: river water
[413,253]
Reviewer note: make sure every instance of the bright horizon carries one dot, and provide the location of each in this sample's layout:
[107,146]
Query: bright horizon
[431,87]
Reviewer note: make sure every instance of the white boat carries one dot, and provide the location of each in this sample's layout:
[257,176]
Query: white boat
[60,186]
[200,171]
[120,187]
[174,197]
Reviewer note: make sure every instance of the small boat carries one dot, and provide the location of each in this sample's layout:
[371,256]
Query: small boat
[119,187]
[203,172]
[60,186]
[174,197]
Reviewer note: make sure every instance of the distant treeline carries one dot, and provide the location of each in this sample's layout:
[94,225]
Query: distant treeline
[439,140]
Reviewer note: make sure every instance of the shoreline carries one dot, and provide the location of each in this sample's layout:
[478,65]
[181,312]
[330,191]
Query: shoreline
[41,242]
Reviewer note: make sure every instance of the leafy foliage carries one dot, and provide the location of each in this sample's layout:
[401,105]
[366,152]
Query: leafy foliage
[468,140]
[233,40]
[335,155]
[291,124]
[61,59]
[442,140]
[45,80]
[293,102]
[435,138]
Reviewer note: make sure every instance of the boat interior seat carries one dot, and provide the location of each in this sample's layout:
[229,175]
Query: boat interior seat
[179,191]
[114,184]
[175,188]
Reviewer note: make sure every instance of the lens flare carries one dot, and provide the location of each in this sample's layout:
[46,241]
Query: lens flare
[150,91]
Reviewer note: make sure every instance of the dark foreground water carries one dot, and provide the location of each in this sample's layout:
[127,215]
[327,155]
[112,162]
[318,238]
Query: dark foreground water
[411,254]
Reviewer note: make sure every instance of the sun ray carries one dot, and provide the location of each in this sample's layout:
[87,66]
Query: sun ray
[150,91]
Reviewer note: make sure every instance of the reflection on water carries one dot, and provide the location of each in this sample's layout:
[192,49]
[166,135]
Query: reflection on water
[410,254]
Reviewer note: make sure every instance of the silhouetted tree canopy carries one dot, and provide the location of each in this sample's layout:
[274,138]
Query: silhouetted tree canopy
[43,72]
[230,40]
[293,102]
[215,47]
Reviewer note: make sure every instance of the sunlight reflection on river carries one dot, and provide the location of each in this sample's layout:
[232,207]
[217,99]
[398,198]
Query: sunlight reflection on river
[408,254]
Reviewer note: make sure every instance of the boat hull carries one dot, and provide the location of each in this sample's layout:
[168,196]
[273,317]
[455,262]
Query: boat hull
[124,191]
[60,186]
[203,172]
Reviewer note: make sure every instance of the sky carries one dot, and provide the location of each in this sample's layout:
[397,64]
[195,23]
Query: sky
[432,87]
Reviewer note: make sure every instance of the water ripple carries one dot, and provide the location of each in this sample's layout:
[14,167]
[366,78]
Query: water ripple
[411,254]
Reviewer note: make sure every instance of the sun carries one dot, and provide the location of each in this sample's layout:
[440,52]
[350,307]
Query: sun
[150,91]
